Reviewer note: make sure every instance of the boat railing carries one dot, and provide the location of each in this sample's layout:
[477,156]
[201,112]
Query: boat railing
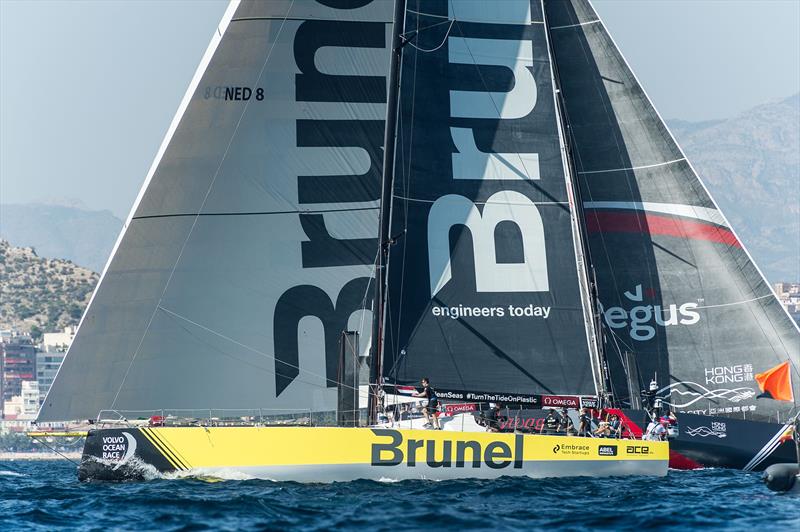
[512,421]
[222,417]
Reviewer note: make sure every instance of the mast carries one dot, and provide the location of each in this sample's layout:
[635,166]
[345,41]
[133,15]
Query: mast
[392,101]
[582,255]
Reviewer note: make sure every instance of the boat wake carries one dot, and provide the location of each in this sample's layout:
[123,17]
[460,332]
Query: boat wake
[209,475]
[5,473]
[135,468]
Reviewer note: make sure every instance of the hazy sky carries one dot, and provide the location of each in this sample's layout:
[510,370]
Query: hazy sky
[88,88]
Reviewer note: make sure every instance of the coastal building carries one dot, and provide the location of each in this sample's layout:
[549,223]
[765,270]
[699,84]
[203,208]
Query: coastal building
[59,341]
[17,364]
[50,356]
[30,399]
[25,406]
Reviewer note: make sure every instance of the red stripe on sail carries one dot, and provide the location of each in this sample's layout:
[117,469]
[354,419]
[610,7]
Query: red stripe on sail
[640,222]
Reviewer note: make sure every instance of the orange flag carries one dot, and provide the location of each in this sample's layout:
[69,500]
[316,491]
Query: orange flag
[776,383]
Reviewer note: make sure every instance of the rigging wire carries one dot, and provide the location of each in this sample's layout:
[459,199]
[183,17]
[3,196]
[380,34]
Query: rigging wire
[444,40]
[65,457]
[200,209]
[259,352]
[406,190]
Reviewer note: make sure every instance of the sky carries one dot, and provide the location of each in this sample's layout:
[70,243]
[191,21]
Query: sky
[88,88]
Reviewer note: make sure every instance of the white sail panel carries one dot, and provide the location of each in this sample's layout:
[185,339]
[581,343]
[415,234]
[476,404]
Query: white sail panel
[252,244]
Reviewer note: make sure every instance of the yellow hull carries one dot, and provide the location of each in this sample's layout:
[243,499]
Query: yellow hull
[329,454]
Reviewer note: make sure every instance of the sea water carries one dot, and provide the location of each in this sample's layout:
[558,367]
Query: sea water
[37,495]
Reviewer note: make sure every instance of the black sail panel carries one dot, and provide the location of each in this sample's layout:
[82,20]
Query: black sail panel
[483,288]
[677,287]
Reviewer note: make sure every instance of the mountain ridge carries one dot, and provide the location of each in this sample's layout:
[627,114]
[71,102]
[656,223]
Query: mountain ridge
[751,165]
[80,235]
[37,293]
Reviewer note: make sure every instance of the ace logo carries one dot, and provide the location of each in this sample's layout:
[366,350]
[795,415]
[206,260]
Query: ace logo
[638,449]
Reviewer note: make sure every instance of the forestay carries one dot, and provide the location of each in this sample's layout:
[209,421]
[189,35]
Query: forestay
[484,293]
[251,246]
[677,286]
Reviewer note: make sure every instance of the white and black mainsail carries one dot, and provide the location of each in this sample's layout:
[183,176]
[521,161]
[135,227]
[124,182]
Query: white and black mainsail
[484,291]
[252,243]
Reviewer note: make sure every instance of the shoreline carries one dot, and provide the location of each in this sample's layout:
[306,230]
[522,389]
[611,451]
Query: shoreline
[34,455]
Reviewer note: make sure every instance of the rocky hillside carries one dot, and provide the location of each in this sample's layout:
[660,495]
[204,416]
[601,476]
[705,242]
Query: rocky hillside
[83,236]
[41,294]
[751,165]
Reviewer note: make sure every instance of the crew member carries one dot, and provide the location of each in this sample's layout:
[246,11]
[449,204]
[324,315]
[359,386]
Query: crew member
[615,427]
[493,418]
[565,424]
[603,430]
[657,431]
[551,422]
[585,423]
[432,408]
[649,395]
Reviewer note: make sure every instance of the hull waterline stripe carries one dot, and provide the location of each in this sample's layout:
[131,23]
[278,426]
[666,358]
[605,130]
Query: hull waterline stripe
[169,449]
[155,444]
[161,447]
[763,455]
[687,211]
[178,456]
[639,222]
[767,450]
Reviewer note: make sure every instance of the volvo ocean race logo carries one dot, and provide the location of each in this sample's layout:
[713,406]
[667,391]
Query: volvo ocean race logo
[118,448]
[642,319]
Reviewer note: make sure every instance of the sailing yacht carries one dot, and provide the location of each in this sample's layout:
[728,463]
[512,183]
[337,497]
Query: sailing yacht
[356,194]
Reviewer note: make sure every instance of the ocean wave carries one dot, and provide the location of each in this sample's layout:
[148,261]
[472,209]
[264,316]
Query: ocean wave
[211,475]
[47,496]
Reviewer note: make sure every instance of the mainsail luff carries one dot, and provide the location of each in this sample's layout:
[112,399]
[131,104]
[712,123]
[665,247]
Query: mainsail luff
[659,242]
[582,251]
[253,242]
[387,182]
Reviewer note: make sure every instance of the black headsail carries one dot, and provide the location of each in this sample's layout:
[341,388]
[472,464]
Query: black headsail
[678,288]
[484,290]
